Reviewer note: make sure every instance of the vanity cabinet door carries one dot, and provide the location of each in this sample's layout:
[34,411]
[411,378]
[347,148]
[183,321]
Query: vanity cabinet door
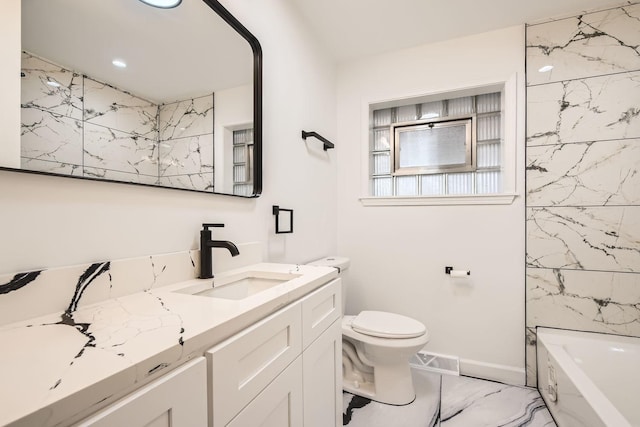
[278,405]
[322,374]
[320,309]
[178,399]
[242,366]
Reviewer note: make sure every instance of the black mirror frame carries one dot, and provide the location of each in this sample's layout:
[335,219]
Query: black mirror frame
[257,114]
[257,91]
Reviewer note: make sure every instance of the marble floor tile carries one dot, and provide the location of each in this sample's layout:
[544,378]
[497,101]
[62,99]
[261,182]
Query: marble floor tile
[422,412]
[470,402]
[450,401]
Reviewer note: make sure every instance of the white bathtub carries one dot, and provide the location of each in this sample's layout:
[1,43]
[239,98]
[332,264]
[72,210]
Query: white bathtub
[589,379]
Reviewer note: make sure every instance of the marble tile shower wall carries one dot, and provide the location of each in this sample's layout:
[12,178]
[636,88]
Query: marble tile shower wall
[76,125]
[583,177]
[186,143]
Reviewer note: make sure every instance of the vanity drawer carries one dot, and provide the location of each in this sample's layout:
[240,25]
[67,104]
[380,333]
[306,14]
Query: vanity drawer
[242,366]
[175,399]
[278,405]
[320,309]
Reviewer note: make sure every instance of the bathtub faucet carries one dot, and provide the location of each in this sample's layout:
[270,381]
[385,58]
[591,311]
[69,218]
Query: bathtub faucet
[206,250]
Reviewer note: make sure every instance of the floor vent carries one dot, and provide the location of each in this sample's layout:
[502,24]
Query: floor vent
[439,363]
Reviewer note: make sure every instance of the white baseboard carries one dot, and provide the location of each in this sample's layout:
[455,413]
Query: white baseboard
[490,371]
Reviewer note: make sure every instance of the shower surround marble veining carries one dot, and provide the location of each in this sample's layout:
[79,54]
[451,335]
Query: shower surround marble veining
[76,125]
[583,179]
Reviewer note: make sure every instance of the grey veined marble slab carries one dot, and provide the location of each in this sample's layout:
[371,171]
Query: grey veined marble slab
[468,402]
[50,137]
[49,87]
[183,156]
[196,181]
[50,166]
[584,174]
[584,238]
[583,46]
[452,401]
[119,151]
[590,109]
[190,117]
[531,355]
[107,106]
[595,301]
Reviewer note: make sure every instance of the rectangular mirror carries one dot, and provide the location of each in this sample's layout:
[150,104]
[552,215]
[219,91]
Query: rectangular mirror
[122,91]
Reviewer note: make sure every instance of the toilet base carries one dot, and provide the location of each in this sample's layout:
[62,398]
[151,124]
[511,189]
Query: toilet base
[392,385]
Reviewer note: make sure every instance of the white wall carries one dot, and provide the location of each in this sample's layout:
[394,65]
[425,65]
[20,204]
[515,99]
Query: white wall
[399,253]
[47,221]
[233,111]
[10,78]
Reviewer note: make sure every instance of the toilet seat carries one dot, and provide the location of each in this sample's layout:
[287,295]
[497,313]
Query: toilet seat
[387,325]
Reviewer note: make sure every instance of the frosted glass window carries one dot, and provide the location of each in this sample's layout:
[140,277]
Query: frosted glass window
[242,161]
[489,127]
[242,136]
[433,146]
[488,155]
[382,117]
[383,187]
[461,106]
[243,189]
[433,185]
[449,146]
[381,139]
[406,113]
[406,185]
[239,154]
[460,183]
[431,110]
[489,182]
[239,173]
[382,163]
[488,103]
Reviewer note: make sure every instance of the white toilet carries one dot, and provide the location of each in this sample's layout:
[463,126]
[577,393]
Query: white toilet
[376,349]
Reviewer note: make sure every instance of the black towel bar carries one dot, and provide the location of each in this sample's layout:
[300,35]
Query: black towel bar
[326,143]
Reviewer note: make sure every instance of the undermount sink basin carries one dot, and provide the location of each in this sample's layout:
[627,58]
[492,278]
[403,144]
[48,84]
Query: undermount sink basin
[239,286]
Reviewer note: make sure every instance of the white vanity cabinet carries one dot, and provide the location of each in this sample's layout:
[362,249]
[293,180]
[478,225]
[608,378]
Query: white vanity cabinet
[322,356]
[177,399]
[285,370]
[322,379]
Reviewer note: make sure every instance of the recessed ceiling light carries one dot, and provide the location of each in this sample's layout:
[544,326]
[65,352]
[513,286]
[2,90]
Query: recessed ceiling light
[546,68]
[119,63]
[163,4]
[430,116]
[53,83]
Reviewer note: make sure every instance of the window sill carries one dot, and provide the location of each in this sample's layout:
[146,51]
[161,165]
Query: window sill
[472,199]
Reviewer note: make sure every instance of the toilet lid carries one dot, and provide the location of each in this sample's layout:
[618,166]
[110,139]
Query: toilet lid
[387,325]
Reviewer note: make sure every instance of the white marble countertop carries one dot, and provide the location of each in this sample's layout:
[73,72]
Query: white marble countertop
[58,368]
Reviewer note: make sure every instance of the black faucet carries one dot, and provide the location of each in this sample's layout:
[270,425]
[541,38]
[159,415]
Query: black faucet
[206,245]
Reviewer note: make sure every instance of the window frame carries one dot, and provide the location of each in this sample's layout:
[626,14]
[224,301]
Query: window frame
[513,93]
[247,148]
[470,123]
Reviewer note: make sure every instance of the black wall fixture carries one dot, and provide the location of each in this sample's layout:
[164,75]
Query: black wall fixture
[284,223]
[326,143]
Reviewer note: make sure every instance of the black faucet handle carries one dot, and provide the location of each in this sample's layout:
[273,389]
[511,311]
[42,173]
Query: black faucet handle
[207,225]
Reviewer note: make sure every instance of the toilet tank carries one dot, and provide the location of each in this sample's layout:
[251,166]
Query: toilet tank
[340,263]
